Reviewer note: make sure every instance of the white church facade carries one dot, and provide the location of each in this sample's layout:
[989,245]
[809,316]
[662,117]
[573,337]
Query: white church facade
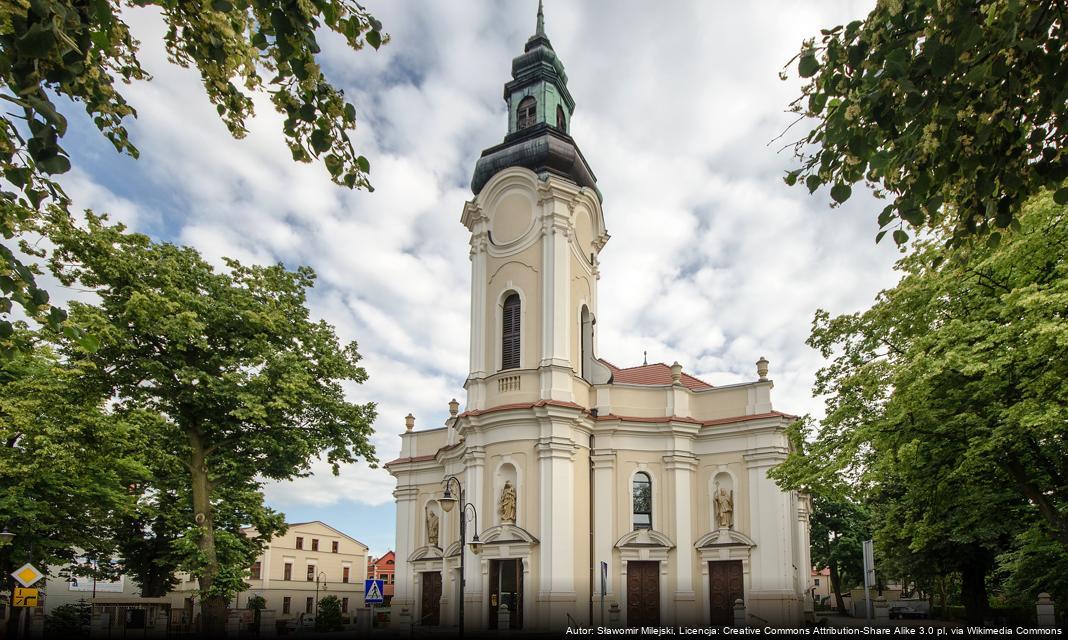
[560,461]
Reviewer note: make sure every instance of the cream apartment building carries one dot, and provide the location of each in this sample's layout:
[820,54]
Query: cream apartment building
[292,566]
[561,461]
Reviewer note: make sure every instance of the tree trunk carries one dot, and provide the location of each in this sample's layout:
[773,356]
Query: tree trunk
[973,592]
[943,589]
[836,587]
[212,608]
[13,621]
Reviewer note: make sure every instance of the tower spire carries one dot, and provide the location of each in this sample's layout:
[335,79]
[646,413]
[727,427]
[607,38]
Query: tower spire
[540,31]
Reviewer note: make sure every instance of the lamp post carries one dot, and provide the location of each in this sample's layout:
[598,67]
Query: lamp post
[317,579]
[447,502]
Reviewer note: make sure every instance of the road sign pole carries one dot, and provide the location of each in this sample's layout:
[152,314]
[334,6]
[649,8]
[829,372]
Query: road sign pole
[869,575]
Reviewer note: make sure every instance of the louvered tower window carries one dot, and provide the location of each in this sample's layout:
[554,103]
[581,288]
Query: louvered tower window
[561,122]
[510,333]
[526,114]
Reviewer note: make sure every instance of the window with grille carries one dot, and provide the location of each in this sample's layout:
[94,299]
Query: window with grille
[287,604]
[526,115]
[510,333]
[643,501]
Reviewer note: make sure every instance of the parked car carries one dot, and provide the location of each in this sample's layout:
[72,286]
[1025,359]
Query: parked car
[903,612]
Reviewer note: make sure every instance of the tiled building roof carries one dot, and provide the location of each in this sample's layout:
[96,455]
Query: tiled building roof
[652,374]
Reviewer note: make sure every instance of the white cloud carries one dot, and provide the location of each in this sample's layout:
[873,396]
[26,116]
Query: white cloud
[713,260]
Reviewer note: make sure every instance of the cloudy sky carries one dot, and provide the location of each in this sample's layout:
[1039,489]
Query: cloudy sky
[713,260]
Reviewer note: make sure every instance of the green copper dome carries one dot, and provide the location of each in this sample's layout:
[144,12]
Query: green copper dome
[539,119]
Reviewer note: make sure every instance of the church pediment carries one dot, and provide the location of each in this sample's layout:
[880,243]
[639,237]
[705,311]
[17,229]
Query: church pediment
[507,534]
[724,538]
[645,538]
[426,552]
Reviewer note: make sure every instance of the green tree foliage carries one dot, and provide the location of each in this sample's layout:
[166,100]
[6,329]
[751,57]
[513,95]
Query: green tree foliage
[69,620]
[932,102]
[65,464]
[839,529]
[84,51]
[246,386]
[328,617]
[948,401]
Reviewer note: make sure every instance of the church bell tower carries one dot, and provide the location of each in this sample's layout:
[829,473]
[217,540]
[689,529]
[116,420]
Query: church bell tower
[536,230]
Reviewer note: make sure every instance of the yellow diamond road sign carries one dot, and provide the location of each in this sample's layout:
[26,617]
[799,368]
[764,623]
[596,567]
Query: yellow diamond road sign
[27,574]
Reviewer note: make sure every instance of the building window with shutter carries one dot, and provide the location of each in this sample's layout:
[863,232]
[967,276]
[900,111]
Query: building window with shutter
[510,331]
[527,113]
[287,604]
[333,546]
[643,501]
[255,571]
[344,574]
[288,572]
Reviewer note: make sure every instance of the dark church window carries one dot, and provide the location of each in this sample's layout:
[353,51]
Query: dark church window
[510,333]
[561,122]
[643,501]
[527,113]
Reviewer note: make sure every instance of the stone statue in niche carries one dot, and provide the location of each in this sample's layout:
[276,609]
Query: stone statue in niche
[506,507]
[432,528]
[724,507]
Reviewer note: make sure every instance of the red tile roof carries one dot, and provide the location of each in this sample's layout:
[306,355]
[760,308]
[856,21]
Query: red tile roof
[657,373]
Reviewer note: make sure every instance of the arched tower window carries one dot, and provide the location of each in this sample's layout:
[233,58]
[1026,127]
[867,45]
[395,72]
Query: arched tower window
[561,121]
[526,114]
[642,492]
[586,344]
[510,332]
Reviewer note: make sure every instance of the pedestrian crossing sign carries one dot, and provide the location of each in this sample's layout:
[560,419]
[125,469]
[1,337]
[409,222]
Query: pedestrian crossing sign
[372,592]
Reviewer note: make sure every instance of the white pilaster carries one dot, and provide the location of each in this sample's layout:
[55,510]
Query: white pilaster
[403,591]
[475,614]
[773,523]
[557,369]
[556,591]
[480,334]
[604,500]
[682,466]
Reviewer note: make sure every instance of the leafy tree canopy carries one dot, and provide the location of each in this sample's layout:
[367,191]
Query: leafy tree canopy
[65,465]
[245,385]
[936,102]
[84,51]
[948,402]
[328,616]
